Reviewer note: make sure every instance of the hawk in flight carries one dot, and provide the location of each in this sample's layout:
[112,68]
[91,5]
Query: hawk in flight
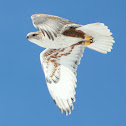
[65,42]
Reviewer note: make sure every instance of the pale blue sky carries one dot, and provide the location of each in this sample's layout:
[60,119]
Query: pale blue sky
[101,90]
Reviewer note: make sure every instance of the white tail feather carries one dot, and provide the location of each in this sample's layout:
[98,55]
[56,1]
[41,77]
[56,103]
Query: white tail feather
[102,39]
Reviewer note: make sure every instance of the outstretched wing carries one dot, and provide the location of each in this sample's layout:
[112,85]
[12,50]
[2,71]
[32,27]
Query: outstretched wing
[60,67]
[49,24]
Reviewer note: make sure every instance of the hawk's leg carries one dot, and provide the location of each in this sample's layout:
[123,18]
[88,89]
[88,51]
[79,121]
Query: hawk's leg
[88,40]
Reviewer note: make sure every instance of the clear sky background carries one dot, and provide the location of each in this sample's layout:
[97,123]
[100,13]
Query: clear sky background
[101,90]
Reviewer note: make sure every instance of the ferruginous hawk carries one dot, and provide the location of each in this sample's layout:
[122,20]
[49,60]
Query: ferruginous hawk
[65,42]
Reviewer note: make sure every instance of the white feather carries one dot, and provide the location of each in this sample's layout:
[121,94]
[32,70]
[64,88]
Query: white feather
[101,37]
[62,90]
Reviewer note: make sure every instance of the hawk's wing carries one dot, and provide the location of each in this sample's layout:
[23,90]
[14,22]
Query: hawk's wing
[60,67]
[50,25]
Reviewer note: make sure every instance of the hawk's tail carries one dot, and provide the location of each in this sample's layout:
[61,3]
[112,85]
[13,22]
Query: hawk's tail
[101,35]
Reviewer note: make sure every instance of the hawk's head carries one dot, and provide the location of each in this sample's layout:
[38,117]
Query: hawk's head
[34,36]
[38,38]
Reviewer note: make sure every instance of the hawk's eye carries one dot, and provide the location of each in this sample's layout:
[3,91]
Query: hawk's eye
[34,34]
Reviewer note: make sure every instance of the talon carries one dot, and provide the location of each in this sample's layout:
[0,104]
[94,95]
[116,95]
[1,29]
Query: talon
[87,42]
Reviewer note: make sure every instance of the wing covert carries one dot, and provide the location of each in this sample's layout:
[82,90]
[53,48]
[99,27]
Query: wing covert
[49,24]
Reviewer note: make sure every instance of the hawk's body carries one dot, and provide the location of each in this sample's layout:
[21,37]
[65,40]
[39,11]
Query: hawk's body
[60,41]
[65,42]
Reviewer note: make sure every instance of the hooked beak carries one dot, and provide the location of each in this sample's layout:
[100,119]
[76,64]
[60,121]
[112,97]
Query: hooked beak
[27,37]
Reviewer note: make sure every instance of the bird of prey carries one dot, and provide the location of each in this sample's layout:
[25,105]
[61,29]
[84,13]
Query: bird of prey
[65,42]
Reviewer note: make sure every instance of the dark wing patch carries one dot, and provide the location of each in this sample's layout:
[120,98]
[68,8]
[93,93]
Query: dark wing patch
[72,32]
